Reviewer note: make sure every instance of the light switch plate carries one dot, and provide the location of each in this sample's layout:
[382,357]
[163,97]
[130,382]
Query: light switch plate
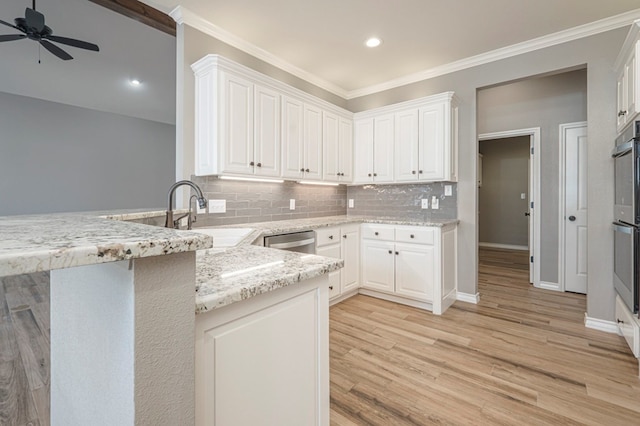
[217,206]
[523,196]
[351,203]
[448,191]
[292,204]
[435,203]
[425,203]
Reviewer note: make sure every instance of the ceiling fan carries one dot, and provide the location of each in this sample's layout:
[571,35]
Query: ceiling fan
[32,26]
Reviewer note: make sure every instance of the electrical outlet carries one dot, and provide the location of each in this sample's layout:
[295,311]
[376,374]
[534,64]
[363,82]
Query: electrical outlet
[217,206]
[351,203]
[435,203]
[448,191]
[292,204]
[425,203]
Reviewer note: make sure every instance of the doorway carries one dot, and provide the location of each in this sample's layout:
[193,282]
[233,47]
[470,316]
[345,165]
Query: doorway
[508,178]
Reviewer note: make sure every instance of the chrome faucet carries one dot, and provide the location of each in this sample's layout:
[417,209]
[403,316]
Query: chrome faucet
[173,223]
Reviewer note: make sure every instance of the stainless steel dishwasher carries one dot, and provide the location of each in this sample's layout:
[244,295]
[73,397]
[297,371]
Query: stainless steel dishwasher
[302,242]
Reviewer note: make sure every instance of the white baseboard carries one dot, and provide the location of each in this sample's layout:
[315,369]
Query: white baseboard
[469,298]
[602,325]
[504,246]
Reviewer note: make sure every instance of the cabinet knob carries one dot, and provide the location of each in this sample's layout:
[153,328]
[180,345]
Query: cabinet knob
[412,236]
[344,236]
[390,252]
[302,169]
[619,321]
[376,233]
[621,113]
[413,172]
[369,175]
[331,237]
[259,164]
[307,170]
[252,163]
[330,287]
[397,253]
[419,172]
[375,174]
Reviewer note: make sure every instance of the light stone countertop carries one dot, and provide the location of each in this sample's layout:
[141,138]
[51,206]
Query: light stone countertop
[228,275]
[44,242]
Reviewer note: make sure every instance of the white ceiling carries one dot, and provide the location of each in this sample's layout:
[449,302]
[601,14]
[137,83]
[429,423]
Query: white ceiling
[319,40]
[128,49]
[322,40]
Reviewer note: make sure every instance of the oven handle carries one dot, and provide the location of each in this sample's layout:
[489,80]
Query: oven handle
[292,244]
[623,149]
[623,228]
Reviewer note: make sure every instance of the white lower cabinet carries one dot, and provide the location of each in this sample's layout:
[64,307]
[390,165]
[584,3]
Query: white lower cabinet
[628,326]
[411,265]
[341,243]
[265,360]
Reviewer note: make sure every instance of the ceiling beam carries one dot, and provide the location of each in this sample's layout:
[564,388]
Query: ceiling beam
[141,13]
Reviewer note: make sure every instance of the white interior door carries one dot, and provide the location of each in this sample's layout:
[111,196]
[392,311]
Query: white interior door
[574,140]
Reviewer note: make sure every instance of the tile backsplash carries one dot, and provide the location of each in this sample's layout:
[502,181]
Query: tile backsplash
[249,202]
[403,201]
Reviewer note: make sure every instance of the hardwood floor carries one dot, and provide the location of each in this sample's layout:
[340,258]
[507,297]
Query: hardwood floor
[521,356]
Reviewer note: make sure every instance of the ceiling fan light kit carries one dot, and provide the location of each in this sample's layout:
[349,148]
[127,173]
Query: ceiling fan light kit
[32,26]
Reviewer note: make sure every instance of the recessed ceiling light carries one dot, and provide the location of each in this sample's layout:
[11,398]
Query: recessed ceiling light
[373,42]
[135,82]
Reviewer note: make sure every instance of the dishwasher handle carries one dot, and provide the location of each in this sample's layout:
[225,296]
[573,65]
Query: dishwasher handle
[292,244]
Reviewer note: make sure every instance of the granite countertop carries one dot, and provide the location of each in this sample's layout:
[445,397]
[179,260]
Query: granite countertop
[228,275]
[44,242]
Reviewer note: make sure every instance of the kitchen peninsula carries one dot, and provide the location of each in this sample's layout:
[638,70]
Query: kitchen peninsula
[122,312]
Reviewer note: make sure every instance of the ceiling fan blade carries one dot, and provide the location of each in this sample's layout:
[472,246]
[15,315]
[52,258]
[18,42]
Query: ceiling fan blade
[55,50]
[9,25]
[10,37]
[34,19]
[75,43]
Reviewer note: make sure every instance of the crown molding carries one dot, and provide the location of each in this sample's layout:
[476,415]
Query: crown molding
[185,16]
[548,40]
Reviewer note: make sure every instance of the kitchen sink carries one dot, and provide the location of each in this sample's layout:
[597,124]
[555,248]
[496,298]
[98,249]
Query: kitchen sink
[225,237]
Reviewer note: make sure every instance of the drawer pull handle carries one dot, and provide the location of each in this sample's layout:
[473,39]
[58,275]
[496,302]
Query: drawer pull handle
[412,236]
[619,321]
[621,113]
[330,287]
[376,233]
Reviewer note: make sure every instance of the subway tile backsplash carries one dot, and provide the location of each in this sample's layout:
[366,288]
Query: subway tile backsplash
[403,201]
[249,202]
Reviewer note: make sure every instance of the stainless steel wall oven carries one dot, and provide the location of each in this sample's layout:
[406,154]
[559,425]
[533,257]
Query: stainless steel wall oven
[626,226]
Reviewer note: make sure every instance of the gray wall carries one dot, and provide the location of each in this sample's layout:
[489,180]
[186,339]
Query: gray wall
[546,103]
[60,158]
[264,201]
[598,52]
[402,201]
[505,176]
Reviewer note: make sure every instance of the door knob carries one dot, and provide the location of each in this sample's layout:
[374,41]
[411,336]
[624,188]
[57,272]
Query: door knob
[572,218]
[527,214]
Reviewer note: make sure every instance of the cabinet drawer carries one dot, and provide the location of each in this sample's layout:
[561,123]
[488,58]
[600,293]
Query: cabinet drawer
[628,326]
[326,236]
[420,235]
[378,232]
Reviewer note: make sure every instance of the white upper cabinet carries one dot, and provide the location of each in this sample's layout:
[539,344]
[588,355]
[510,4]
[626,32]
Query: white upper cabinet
[249,124]
[412,141]
[337,133]
[628,82]
[374,149]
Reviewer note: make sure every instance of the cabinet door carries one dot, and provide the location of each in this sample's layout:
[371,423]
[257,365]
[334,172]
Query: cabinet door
[333,251]
[351,255]
[383,136]
[621,103]
[292,137]
[331,146]
[363,149]
[267,132]
[432,149]
[377,265]
[345,153]
[415,271]
[631,89]
[237,145]
[312,142]
[406,146]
